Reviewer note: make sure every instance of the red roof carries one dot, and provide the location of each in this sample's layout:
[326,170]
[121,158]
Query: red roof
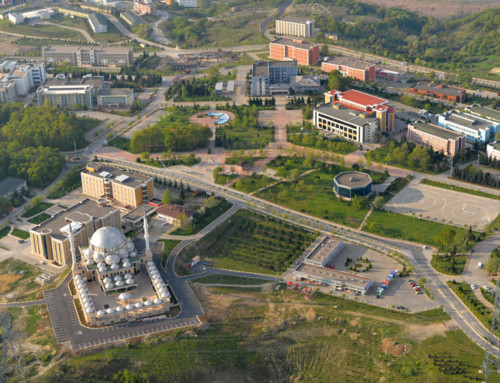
[361,98]
[174,211]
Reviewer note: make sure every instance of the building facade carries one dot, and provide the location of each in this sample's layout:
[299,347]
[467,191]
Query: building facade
[174,214]
[474,128]
[294,26]
[287,49]
[115,97]
[358,70]
[386,73]
[267,73]
[439,139]
[98,23]
[350,184]
[66,96]
[76,55]
[118,186]
[493,150]
[50,240]
[188,3]
[443,92]
[8,92]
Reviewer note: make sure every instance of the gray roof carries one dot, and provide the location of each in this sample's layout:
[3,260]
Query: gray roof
[436,131]
[356,64]
[345,115]
[353,179]
[261,68]
[468,120]
[97,18]
[292,19]
[108,238]
[488,113]
[10,185]
[495,144]
[440,89]
[294,43]
[349,279]
[81,212]
[115,92]
[133,179]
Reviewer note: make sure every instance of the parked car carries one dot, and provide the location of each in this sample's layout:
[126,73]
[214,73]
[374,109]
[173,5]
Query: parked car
[419,292]
[413,285]
[473,286]
[401,308]
[411,281]
[416,287]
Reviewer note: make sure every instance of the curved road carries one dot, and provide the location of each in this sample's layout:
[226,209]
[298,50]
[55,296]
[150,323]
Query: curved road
[281,9]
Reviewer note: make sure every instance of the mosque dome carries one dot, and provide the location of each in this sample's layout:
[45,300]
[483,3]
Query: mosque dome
[108,239]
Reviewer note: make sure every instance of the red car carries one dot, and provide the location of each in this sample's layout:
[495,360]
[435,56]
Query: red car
[413,285]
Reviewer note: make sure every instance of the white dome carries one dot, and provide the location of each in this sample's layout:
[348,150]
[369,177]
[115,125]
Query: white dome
[101,313]
[128,276]
[101,264]
[109,285]
[120,283]
[130,245]
[107,280]
[119,309]
[165,295]
[127,264]
[163,290]
[108,238]
[87,252]
[148,303]
[123,252]
[139,305]
[110,310]
[158,301]
[133,253]
[118,277]
[150,263]
[102,269]
[129,306]
[124,296]
[78,277]
[89,262]
[90,309]
[112,259]
[115,266]
[98,257]
[130,281]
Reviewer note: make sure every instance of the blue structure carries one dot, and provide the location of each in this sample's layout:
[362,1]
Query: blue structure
[350,184]
[223,117]
[475,129]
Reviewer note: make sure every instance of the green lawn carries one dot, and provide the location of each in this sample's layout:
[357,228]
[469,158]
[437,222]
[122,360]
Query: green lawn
[169,245]
[230,280]
[393,225]
[449,264]
[50,31]
[39,218]
[42,206]
[313,194]
[4,231]
[250,242]
[223,179]
[252,183]
[200,222]
[20,233]
[70,182]
[236,138]
[459,189]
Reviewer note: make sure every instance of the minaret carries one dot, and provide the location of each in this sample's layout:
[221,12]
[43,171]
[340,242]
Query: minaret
[146,232]
[73,250]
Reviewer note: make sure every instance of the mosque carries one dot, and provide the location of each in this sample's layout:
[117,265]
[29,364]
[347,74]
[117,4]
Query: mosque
[116,282]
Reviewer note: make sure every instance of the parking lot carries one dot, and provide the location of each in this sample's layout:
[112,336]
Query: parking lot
[447,206]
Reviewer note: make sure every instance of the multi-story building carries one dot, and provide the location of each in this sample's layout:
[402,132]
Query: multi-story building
[115,97]
[347,123]
[72,11]
[66,96]
[268,73]
[116,185]
[131,18]
[187,3]
[287,49]
[19,79]
[366,103]
[11,185]
[386,73]
[441,91]
[493,150]
[143,8]
[485,113]
[475,129]
[294,26]
[50,240]
[79,55]
[175,214]
[358,70]
[15,18]
[7,92]
[439,139]
[98,23]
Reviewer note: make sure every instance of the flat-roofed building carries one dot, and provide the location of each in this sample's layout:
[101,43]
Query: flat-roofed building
[50,240]
[350,124]
[115,97]
[295,26]
[66,96]
[493,150]
[323,250]
[72,11]
[80,55]
[484,113]
[386,73]
[441,91]
[356,69]
[287,49]
[474,128]
[305,84]
[439,139]
[116,185]
[11,185]
[131,18]
[8,92]
[268,73]
[334,278]
[143,9]
[188,3]
[347,185]
[98,23]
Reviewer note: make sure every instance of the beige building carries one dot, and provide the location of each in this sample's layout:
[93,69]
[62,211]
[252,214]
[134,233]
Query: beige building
[115,97]
[83,55]
[50,240]
[116,185]
[294,26]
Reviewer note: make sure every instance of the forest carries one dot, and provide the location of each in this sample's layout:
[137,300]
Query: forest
[476,176]
[32,137]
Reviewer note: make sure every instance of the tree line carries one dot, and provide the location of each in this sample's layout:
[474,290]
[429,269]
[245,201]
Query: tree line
[476,176]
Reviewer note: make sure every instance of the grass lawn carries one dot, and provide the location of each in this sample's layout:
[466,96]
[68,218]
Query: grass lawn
[326,340]
[393,225]
[42,206]
[450,265]
[251,137]
[459,189]
[13,282]
[230,280]
[210,215]
[320,202]
[20,233]
[51,31]
[39,218]
[70,182]
[250,242]
[252,183]
[223,179]
[4,231]
[169,245]
[465,293]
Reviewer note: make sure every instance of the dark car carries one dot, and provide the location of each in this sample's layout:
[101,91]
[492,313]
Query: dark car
[401,308]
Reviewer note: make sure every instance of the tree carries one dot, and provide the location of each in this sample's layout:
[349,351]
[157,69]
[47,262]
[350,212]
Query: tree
[446,237]
[37,200]
[167,197]
[5,205]
[378,203]
[145,156]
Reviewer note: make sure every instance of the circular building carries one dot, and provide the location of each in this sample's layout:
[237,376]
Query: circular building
[350,184]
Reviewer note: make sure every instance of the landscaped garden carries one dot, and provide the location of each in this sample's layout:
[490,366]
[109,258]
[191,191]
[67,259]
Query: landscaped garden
[253,182]
[40,218]
[250,242]
[38,208]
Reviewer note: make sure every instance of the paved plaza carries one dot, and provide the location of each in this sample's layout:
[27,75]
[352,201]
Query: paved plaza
[447,206]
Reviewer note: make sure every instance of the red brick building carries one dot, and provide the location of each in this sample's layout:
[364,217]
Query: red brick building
[441,91]
[358,70]
[437,138]
[287,49]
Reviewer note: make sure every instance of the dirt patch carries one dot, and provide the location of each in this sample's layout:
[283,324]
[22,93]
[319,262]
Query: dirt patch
[495,71]
[419,332]
[390,347]
[6,280]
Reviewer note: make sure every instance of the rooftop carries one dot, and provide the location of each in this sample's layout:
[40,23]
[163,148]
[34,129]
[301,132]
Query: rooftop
[436,131]
[466,120]
[64,89]
[294,43]
[356,64]
[361,98]
[10,184]
[261,68]
[325,273]
[353,179]
[174,211]
[294,19]
[74,48]
[439,89]
[81,212]
[495,144]
[117,175]
[97,18]
[323,247]
[386,68]
[115,92]
[345,114]
[488,113]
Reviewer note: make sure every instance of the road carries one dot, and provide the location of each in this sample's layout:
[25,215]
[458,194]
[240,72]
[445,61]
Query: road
[443,294]
[158,34]
[281,10]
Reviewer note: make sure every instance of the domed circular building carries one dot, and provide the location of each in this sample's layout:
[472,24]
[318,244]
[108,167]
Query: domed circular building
[350,184]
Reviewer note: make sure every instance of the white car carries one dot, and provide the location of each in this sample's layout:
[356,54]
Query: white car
[473,286]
